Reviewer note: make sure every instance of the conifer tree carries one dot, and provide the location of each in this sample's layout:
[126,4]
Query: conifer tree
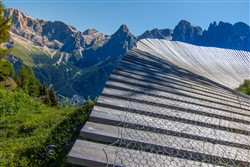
[42,90]
[53,97]
[22,79]
[5,25]
[33,86]
[44,94]
[6,68]
[27,81]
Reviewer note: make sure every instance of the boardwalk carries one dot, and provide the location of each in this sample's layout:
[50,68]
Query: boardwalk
[170,104]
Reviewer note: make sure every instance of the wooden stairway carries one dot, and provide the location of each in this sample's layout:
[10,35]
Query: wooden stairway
[153,113]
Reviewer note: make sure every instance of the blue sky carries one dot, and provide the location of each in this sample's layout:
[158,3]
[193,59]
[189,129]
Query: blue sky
[107,15]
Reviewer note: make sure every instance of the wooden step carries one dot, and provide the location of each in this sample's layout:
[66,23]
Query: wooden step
[154,113]
[93,154]
[235,97]
[158,96]
[161,86]
[185,83]
[174,113]
[115,117]
[164,67]
[166,144]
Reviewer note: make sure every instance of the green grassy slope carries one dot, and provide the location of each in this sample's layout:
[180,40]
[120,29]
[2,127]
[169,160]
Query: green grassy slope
[28,127]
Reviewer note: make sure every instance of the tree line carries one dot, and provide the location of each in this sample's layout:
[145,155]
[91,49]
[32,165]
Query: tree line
[27,82]
[26,79]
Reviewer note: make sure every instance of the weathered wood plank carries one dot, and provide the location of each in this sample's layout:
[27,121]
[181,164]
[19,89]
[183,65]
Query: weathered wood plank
[116,117]
[92,154]
[187,148]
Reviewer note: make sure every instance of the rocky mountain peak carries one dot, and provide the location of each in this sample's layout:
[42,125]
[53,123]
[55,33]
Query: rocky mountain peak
[90,31]
[16,14]
[214,24]
[94,38]
[117,45]
[223,35]
[123,29]
[23,22]
[123,36]
[226,35]
[157,33]
[241,29]
[184,23]
[54,35]
[186,32]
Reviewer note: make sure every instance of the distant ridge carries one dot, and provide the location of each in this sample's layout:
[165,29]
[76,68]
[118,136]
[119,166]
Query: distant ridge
[58,35]
[223,35]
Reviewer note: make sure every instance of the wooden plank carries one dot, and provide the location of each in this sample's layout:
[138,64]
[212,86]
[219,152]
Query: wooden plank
[175,113]
[92,154]
[129,64]
[115,117]
[161,86]
[171,78]
[136,63]
[230,95]
[187,148]
[219,65]
[220,97]
[165,98]
[158,84]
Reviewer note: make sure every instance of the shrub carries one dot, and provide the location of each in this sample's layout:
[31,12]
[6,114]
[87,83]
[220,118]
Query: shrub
[244,88]
[28,127]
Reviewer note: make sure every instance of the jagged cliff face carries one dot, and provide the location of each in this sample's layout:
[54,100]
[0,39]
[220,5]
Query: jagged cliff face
[54,35]
[226,35]
[157,33]
[186,32]
[122,40]
[223,35]
[76,63]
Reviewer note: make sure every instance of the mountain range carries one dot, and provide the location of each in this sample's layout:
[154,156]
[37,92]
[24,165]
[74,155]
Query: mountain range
[79,63]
